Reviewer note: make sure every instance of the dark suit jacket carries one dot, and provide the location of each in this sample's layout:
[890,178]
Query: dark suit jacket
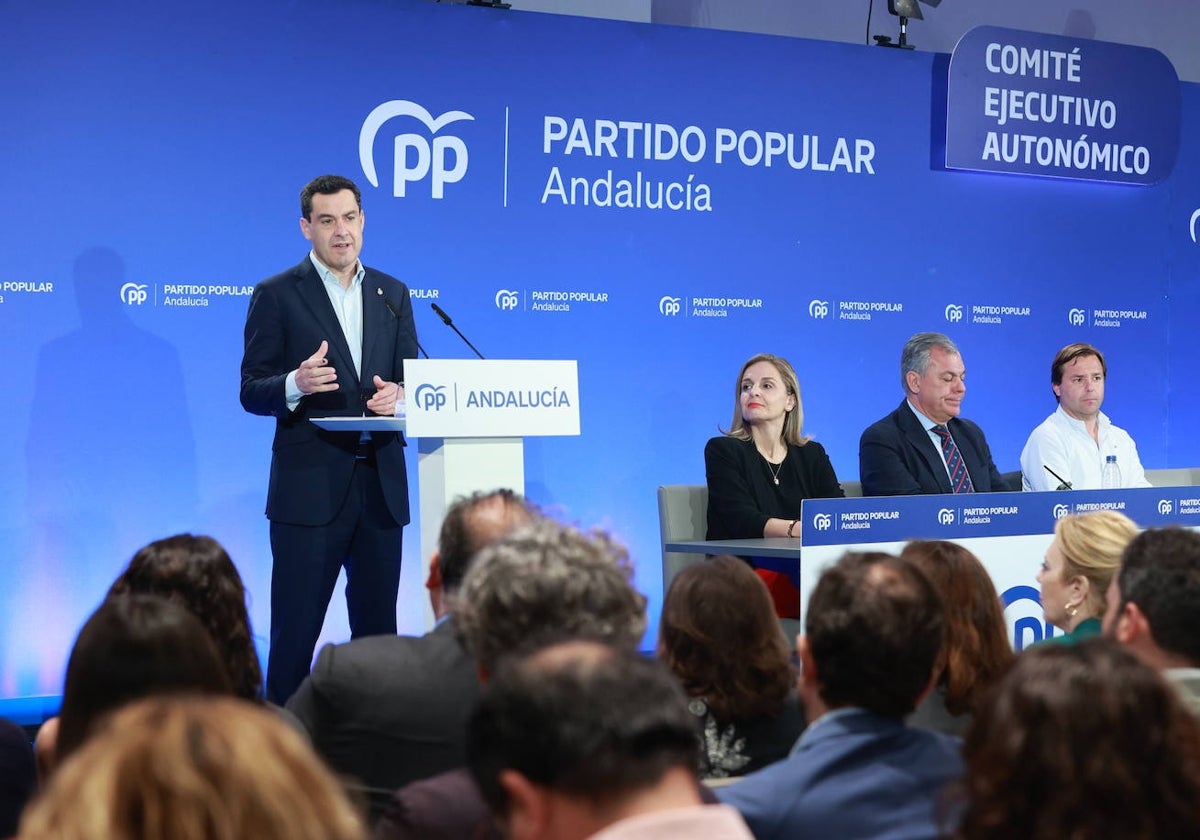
[897,458]
[860,775]
[388,710]
[290,315]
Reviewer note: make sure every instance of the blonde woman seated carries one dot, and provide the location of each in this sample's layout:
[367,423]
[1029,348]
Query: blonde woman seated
[763,467]
[193,769]
[720,638]
[1079,564]
[976,651]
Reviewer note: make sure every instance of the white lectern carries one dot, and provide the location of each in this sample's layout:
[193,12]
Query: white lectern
[471,417]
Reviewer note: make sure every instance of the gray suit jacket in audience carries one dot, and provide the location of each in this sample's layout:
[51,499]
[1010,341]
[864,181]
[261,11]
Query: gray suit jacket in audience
[388,710]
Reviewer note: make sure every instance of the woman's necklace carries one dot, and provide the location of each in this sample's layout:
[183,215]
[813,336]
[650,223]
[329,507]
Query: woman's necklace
[775,469]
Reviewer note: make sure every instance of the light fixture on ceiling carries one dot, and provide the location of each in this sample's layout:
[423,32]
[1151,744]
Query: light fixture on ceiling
[904,9]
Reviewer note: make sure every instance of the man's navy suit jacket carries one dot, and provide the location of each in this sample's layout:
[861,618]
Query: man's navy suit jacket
[896,457]
[289,316]
[854,776]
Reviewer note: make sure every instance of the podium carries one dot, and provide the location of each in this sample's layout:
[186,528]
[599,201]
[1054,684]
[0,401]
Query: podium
[470,418]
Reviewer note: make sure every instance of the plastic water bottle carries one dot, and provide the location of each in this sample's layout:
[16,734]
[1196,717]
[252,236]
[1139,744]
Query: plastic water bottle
[1110,478]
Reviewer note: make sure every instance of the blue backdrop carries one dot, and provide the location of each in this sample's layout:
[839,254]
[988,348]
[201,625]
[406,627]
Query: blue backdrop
[152,158]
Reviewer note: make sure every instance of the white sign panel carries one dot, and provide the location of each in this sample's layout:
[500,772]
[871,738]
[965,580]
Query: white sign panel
[483,398]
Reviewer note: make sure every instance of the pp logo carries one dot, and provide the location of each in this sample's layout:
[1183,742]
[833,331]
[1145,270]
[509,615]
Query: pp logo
[668,305]
[1192,224]
[134,294]
[946,516]
[822,521]
[818,308]
[1077,317]
[1165,507]
[430,397]
[954,313]
[1024,616]
[507,299]
[1059,511]
[446,157]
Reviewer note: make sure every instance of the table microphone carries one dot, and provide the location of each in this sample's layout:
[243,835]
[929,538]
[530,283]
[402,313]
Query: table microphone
[1064,485]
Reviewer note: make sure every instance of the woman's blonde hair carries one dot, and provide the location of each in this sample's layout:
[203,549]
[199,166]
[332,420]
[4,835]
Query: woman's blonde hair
[193,769]
[1091,546]
[793,423]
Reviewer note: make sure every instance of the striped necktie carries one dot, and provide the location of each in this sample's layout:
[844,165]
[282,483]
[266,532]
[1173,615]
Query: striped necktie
[960,481]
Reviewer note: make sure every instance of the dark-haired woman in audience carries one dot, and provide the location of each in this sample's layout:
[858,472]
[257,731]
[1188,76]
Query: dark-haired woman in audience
[1077,569]
[197,573]
[976,650]
[720,638]
[762,468]
[132,647]
[1083,742]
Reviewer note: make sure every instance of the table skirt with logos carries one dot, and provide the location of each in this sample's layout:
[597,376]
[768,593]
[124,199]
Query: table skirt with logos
[1008,532]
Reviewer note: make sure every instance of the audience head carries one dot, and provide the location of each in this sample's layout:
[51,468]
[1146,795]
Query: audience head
[197,573]
[572,734]
[548,580]
[872,636]
[134,646]
[193,769]
[933,376]
[1079,565]
[18,776]
[1154,601]
[473,522]
[720,637]
[1081,741]
[976,649]
[779,386]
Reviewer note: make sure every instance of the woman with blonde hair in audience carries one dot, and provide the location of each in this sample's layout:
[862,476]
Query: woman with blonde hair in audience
[976,650]
[1078,566]
[720,637]
[1083,742]
[173,768]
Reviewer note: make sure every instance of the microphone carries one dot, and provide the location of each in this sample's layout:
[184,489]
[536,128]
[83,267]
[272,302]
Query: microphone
[396,315]
[1064,485]
[446,318]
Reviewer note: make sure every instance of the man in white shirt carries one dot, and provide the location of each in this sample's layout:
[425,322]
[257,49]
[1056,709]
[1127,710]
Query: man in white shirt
[1068,450]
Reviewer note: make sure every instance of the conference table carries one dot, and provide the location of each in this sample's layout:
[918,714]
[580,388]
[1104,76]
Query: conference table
[1008,532]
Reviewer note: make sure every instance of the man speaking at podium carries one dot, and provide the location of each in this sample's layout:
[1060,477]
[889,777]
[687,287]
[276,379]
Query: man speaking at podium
[329,338]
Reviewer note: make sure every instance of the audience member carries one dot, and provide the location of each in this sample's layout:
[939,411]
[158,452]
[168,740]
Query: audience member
[872,635]
[581,740]
[387,710]
[924,446]
[720,638]
[18,777]
[1078,567]
[198,573]
[1154,606]
[1085,742]
[1069,448]
[193,769]
[545,581]
[976,650]
[133,646]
